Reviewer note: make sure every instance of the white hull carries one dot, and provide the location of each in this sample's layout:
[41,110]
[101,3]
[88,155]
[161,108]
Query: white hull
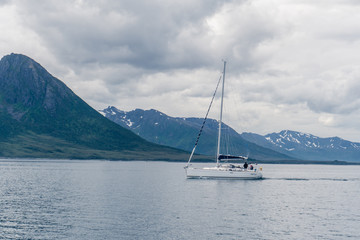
[222,173]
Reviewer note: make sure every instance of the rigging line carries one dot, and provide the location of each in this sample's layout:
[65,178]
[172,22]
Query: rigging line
[203,124]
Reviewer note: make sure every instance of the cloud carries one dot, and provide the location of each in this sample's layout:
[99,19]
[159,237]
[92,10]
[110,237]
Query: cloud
[127,44]
[314,62]
[291,64]
[113,31]
[327,120]
[152,35]
[4,2]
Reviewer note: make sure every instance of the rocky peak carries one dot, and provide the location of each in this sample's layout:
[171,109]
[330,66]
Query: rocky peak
[24,83]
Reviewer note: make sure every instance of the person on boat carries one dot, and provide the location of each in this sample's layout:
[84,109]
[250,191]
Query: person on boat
[245,165]
[251,167]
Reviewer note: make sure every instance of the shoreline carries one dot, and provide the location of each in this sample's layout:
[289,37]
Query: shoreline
[304,162]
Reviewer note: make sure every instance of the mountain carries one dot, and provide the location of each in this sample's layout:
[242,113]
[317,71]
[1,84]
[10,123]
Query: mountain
[181,133]
[307,146]
[41,117]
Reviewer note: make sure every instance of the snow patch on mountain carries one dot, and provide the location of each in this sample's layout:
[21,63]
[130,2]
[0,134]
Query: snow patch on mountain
[307,146]
[129,123]
[301,144]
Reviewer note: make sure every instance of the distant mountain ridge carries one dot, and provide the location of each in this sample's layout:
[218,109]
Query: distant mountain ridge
[181,133]
[157,127]
[307,146]
[41,117]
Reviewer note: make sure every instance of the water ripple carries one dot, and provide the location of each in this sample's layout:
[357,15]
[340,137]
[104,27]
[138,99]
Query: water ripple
[313,179]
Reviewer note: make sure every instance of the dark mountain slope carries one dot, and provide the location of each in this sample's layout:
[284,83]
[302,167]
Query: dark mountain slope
[181,133]
[41,117]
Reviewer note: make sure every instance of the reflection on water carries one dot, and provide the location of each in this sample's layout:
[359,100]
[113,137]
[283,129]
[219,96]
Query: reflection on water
[153,200]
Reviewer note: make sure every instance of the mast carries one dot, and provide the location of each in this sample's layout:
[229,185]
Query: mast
[220,119]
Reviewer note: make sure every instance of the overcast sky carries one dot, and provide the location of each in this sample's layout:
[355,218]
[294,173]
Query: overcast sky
[291,64]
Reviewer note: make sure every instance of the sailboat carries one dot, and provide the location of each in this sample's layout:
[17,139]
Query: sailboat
[223,169]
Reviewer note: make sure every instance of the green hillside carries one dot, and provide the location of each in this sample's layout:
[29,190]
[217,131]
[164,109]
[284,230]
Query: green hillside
[41,117]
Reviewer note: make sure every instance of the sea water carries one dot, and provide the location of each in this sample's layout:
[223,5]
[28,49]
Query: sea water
[153,200]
